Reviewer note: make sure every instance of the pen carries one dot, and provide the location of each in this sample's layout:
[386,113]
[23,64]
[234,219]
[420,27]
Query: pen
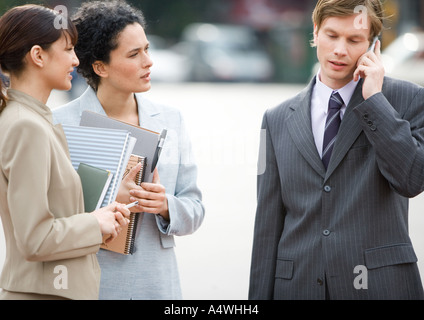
[159,149]
[129,206]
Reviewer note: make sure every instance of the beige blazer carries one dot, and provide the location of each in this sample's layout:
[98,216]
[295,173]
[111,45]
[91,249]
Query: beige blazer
[50,248]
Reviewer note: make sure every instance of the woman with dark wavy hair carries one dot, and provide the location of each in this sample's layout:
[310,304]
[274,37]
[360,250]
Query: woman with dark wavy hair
[114,53]
[51,244]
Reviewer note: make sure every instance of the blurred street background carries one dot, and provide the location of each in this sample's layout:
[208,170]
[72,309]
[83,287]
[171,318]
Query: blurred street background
[223,63]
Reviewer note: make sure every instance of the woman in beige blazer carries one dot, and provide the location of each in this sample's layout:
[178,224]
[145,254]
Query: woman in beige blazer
[50,247]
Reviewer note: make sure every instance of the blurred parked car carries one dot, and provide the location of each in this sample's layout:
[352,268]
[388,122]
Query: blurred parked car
[404,58]
[219,52]
[168,65]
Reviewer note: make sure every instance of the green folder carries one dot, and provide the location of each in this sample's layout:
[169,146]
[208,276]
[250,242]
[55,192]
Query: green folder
[95,182]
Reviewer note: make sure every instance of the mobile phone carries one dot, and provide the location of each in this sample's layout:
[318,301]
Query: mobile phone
[372,47]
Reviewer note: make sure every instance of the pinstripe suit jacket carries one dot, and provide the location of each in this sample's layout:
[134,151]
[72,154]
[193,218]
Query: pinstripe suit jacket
[314,227]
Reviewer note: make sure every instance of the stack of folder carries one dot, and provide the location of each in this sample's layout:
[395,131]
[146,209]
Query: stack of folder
[102,148]
[103,151]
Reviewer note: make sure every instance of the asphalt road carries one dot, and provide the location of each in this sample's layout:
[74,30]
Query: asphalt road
[224,124]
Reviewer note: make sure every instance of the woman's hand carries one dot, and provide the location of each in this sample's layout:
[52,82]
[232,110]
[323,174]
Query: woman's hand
[151,197]
[128,184]
[112,219]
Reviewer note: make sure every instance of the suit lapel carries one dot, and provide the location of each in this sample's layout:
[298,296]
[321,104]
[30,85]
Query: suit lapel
[300,129]
[150,115]
[350,129]
[89,102]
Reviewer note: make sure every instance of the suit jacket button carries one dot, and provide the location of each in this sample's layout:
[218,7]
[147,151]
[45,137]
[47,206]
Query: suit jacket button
[326,233]
[327,188]
[372,125]
[320,282]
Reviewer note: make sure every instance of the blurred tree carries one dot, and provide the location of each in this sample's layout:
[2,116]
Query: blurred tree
[168,18]
[7,4]
[284,27]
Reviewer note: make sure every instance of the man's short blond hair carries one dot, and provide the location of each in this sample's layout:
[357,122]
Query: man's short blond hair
[341,8]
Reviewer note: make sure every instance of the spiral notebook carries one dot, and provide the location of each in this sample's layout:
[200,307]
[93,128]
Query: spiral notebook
[124,243]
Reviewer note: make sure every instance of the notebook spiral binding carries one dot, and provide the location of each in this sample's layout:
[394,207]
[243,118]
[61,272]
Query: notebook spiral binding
[134,218]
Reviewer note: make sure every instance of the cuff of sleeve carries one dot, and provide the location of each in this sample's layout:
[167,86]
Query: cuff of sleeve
[168,227]
[97,235]
[162,224]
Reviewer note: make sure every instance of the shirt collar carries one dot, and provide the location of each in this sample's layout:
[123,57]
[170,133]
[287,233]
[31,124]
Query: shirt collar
[325,92]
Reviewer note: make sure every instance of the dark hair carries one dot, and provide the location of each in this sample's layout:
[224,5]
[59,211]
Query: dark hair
[23,27]
[99,24]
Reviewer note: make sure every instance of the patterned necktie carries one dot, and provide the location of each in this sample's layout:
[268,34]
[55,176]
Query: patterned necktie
[331,127]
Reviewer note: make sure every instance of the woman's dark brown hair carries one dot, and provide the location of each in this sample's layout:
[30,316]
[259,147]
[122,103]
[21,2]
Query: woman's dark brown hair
[23,27]
[99,24]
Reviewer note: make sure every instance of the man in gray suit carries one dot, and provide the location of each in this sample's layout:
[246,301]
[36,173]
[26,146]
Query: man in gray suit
[342,159]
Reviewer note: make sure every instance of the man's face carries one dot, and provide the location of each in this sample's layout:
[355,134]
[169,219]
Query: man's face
[340,43]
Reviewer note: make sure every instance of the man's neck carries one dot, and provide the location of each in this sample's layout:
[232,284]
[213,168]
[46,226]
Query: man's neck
[334,84]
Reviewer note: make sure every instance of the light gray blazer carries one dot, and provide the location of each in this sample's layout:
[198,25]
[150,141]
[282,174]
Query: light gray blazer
[151,272]
[313,228]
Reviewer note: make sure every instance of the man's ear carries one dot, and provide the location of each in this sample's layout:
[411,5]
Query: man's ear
[100,69]
[36,56]
[315,34]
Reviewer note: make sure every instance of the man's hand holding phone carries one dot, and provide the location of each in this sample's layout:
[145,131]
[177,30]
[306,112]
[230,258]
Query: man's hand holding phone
[370,68]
